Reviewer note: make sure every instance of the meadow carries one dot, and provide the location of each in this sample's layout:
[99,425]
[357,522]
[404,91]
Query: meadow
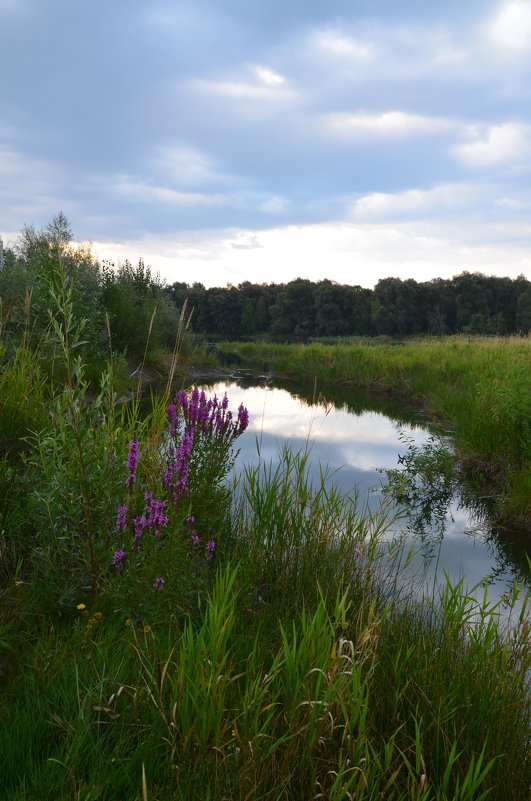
[168,634]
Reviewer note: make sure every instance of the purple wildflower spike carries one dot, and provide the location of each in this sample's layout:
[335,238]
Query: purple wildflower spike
[121,519]
[132,461]
[210,546]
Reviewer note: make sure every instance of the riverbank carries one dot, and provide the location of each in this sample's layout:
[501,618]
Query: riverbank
[479,389]
[256,648]
[166,634]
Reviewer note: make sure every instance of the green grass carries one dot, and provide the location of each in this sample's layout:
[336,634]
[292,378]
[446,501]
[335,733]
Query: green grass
[296,671]
[298,664]
[348,695]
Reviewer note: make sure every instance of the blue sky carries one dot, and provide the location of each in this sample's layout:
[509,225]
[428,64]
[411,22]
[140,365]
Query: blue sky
[242,140]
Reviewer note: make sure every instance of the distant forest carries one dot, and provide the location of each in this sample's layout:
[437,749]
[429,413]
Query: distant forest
[468,303]
[300,310]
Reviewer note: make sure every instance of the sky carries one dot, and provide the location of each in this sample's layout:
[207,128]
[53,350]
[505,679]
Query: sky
[264,140]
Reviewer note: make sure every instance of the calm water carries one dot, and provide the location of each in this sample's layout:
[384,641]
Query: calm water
[359,438]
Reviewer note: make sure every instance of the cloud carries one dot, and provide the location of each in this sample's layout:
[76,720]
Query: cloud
[246,241]
[390,124]
[511,27]
[500,144]
[508,202]
[413,202]
[30,188]
[253,82]
[190,122]
[137,190]
[268,76]
[187,165]
[350,253]
[339,44]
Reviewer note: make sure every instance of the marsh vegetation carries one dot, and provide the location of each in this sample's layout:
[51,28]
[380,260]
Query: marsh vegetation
[165,634]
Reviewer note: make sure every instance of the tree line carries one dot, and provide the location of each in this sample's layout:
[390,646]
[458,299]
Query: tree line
[127,295]
[469,303]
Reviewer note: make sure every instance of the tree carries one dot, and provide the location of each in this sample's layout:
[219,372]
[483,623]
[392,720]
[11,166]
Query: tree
[294,310]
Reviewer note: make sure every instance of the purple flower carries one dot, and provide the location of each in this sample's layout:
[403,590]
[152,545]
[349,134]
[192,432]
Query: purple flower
[138,524]
[120,520]
[176,475]
[171,414]
[154,512]
[202,432]
[158,583]
[243,419]
[210,546]
[132,461]
[117,559]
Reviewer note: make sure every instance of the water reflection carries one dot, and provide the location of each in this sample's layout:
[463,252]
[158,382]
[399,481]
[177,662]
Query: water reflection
[360,439]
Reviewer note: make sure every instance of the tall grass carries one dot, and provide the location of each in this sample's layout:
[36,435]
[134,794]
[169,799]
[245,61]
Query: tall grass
[341,698]
[287,663]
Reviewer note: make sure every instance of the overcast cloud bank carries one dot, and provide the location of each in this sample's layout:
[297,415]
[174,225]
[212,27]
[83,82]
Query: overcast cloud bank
[250,141]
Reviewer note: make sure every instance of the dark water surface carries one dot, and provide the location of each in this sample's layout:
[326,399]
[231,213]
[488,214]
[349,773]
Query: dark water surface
[358,438]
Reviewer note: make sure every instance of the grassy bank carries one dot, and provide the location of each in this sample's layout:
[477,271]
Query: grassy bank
[167,635]
[289,666]
[478,388]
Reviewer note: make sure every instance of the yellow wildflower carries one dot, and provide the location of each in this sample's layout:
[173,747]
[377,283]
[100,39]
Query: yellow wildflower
[98,615]
[128,621]
[80,606]
[146,629]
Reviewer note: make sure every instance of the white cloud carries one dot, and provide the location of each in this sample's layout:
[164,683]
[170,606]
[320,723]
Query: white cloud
[246,240]
[511,27]
[346,252]
[508,142]
[508,202]
[412,202]
[264,90]
[269,77]
[339,44]
[140,191]
[388,124]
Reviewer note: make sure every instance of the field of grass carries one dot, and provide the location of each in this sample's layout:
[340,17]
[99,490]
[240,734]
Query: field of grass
[478,388]
[165,634]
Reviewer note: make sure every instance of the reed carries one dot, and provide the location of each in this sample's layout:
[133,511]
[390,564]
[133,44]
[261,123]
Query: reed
[339,699]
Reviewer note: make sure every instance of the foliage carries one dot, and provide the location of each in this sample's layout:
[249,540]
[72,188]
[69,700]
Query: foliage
[290,666]
[424,484]
[136,301]
[121,303]
[304,310]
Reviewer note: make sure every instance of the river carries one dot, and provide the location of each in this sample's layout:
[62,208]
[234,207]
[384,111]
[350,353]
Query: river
[359,438]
